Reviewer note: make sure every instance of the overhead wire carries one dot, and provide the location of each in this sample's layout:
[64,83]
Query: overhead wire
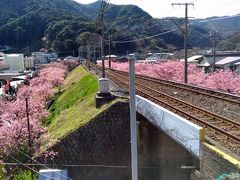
[39,163]
[133,29]
[148,37]
[220,18]
[152,32]
[126,30]
[33,170]
[156,35]
[115,21]
[229,42]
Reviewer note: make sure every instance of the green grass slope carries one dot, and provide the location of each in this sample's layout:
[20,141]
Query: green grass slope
[75,106]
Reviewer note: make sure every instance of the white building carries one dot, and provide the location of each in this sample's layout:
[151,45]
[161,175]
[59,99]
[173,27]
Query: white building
[228,62]
[29,63]
[3,64]
[14,62]
[43,58]
[158,56]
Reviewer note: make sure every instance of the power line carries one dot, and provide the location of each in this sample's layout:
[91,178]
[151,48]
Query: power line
[141,25]
[216,19]
[32,168]
[148,37]
[229,43]
[33,160]
[83,165]
[124,30]
[128,32]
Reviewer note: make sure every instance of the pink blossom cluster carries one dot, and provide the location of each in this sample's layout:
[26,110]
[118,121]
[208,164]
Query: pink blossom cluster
[227,80]
[13,119]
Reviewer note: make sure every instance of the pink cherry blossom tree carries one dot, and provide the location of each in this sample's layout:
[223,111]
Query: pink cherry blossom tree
[13,120]
[227,81]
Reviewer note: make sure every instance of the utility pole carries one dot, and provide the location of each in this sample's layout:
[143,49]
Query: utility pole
[109,51]
[185,38]
[102,11]
[29,133]
[214,50]
[102,43]
[88,56]
[133,124]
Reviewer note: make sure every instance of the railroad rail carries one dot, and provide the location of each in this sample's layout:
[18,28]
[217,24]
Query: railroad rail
[218,129]
[234,99]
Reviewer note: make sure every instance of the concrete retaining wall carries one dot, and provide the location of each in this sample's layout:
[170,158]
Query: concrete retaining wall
[98,147]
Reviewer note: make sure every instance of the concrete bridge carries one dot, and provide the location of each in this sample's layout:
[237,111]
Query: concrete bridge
[169,147]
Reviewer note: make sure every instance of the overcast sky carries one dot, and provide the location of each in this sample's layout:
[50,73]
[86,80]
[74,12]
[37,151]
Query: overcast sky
[201,9]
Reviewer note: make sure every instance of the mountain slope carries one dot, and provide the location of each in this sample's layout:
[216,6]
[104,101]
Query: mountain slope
[28,25]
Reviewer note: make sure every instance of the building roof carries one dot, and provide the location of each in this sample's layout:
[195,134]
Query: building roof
[195,58]
[111,56]
[238,63]
[206,64]
[22,77]
[228,60]
[15,84]
[14,55]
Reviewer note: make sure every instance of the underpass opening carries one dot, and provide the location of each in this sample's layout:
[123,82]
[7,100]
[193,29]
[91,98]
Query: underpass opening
[160,157]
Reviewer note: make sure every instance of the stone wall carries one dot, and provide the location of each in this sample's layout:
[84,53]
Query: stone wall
[213,164]
[98,147]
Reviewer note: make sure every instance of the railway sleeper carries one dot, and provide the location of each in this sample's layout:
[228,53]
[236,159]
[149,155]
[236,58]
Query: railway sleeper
[226,127]
[219,138]
[234,145]
[235,132]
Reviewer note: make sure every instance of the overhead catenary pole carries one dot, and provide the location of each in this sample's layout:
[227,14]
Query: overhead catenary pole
[29,133]
[185,39]
[102,12]
[102,46]
[133,124]
[214,50]
[109,52]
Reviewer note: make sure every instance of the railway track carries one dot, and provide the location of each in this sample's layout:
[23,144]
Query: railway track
[189,88]
[219,130]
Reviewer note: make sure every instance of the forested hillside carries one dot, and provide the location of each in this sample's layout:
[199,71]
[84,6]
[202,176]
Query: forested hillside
[61,25]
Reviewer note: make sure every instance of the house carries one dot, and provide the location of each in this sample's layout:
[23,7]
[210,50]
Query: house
[29,63]
[43,57]
[200,60]
[123,59]
[228,63]
[158,56]
[237,67]
[14,62]
[2,62]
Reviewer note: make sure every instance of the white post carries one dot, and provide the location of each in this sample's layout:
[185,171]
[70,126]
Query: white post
[133,124]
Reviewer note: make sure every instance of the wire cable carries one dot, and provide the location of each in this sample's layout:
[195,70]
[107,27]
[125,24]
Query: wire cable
[32,168]
[39,162]
[149,37]
[216,19]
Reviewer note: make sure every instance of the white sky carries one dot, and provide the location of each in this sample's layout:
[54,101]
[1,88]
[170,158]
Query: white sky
[163,8]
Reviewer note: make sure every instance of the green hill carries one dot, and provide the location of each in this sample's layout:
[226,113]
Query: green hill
[75,106]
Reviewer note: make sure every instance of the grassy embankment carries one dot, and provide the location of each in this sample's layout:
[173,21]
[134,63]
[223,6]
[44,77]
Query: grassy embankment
[75,106]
